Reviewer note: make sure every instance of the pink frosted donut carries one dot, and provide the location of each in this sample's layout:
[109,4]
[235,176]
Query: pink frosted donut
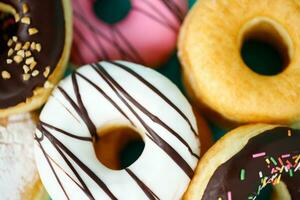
[147,35]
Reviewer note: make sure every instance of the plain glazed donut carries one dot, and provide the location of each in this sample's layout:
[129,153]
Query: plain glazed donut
[19,178]
[34,54]
[113,94]
[214,72]
[245,161]
[148,25]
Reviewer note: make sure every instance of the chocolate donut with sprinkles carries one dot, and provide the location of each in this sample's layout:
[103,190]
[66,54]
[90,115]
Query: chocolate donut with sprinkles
[245,161]
[114,94]
[35,43]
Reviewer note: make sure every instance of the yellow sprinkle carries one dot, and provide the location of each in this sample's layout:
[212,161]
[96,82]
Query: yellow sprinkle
[27,53]
[15,38]
[32,65]
[46,72]
[10,42]
[18,46]
[38,47]
[18,59]
[29,60]
[26,45]
[35,73]
[297,159]
[10,52]
[9,61]
[25,8]
[26,77]
[32,46]
[5,75]
[25,20]
[289,133]
[25,69]
[32,31]
[21,53]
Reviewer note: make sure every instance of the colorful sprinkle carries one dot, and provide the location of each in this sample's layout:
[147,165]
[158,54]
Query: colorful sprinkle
[257,155]
[286,156]
[229,196]
[273,161]
[242,175]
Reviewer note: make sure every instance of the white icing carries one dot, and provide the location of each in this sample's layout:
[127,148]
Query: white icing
[155,168]
[17,166]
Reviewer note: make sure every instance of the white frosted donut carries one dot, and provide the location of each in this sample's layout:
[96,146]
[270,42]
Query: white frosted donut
[116,93]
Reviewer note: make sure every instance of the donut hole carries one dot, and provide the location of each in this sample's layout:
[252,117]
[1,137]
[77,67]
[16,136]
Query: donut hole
[265,193]
[264,48]
[8,28]
[118,146]
[112,11]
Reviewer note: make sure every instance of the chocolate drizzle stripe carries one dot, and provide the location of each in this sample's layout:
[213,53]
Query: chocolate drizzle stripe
[84,187]
[127,51]
[105,95]
[150,194]
[58,145]
[80,112]
[89,123]
[154,118]
[83,38]
[112,40]
[83,190]
[52,169]
[130,46]
[154,89]
[60,103]
[153,135]
[175,9]
[66,133]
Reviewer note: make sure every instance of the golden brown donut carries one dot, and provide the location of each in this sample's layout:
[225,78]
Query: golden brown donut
[215,75]
[205,134]
[245,160]
[36,38]
[19,179]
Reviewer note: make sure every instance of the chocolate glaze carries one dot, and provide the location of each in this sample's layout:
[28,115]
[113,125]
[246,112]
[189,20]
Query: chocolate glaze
[275,143]
[48,17]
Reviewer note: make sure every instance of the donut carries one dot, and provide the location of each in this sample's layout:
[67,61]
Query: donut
[204,132]
[245,161]
[216,77]
[19,178]
[36,38]
[112,148]
[110,94]
[148,25]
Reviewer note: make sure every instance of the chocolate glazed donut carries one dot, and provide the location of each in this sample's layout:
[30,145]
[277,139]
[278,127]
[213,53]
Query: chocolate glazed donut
[248,159]
[35,50]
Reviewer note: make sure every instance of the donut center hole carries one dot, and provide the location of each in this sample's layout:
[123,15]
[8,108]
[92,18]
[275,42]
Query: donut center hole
[264,50]
[8,29]
[265,193]
[118,147]
[112,11]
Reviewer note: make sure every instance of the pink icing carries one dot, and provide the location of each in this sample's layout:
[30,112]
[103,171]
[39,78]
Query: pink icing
[140,38]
